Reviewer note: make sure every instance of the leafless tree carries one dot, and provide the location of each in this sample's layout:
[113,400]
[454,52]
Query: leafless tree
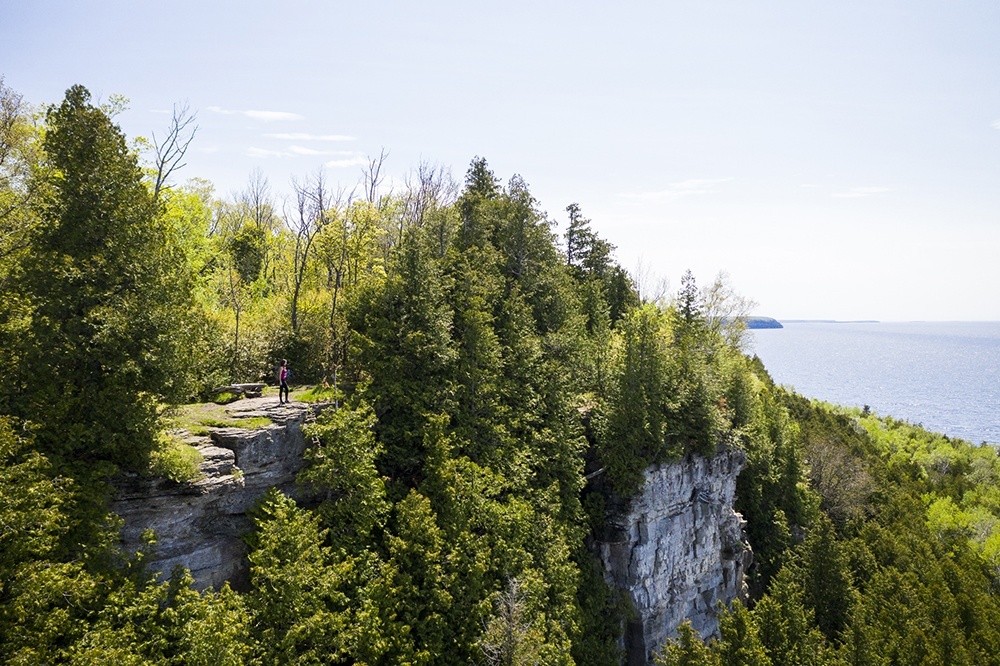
[373,177]
[171,150]
[312,201]
[509,638]
[430,189]
[259,202]
[236,297]
[652,287]
[727,311]
[840,477]
[252,205]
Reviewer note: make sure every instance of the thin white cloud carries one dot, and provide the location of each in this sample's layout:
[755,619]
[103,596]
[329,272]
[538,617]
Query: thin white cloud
[996,124]
[857,192]
[253,151]
[303,136]
[302,150]
[357,160]
[266,116]
[347,157]
[684,188]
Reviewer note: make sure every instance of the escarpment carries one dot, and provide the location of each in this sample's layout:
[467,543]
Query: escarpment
[677,549]
[200,525]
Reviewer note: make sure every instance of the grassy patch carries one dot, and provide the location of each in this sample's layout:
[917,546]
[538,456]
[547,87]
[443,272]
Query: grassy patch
[198,418]
[247,424]
[175,459]
[319,394]
[225,398]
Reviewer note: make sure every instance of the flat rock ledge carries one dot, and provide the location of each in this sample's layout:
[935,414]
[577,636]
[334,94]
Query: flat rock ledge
[200,525]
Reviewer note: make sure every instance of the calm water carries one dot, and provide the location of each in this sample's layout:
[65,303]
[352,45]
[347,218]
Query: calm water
[943,375]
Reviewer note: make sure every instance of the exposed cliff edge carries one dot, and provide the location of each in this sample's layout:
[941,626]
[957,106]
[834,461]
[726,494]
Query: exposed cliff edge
[200,525]
[677,548]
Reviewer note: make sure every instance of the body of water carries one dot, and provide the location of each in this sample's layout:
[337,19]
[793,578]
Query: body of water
[942,375]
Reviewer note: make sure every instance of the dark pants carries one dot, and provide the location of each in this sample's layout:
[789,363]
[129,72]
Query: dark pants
[283,389]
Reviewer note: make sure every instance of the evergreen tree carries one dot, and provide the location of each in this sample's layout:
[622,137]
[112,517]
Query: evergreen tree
[827,579]
[739,641]
[689,302]
[686,650]
[109,303]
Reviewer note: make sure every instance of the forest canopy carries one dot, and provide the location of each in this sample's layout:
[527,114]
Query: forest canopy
[496,387]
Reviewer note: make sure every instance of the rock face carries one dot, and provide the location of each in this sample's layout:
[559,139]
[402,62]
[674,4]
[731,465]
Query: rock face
[200,525]
[677,549]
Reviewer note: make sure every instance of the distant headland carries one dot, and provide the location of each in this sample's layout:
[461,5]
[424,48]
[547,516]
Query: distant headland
[763,322]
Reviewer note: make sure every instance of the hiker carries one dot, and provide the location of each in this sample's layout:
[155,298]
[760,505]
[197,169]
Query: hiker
[283,381]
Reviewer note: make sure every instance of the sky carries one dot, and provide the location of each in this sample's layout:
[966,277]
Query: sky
[837,160]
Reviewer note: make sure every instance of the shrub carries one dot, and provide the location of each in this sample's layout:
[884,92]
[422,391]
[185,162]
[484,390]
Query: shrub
[175,459]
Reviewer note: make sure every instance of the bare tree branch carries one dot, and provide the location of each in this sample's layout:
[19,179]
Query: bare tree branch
[170,152]
[373,176]
[312,201]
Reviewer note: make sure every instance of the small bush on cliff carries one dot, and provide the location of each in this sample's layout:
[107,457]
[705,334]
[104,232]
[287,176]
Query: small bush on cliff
[175,459]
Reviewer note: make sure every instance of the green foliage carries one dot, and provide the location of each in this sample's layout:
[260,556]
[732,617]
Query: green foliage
[786,625]
[403,333]
[686,650]
[905,579]
[602,614]
[167,624]
[108,301]
[301,613]
[510,638]
[739,640]
[641,423]
[175,460]
[342,474]
[320,394]
[827,580]
[30,503]
[225,398]
[668,393]
[249,423]
[247,248]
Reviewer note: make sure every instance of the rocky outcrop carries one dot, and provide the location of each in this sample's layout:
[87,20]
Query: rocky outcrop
[200,525]
[677,549]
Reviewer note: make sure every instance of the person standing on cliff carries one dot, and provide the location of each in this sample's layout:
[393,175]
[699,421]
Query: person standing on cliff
[283,381]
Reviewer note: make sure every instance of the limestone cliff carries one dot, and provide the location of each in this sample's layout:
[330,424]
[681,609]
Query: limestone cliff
[676,549]
[199,525]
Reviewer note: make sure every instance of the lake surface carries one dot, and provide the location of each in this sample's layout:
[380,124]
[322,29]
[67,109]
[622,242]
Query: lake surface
[942,375]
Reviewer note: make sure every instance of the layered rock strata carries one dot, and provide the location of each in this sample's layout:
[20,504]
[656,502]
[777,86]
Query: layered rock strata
[677,549]
[200,525]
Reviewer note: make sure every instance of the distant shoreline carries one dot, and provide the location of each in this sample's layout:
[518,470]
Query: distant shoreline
[830,321]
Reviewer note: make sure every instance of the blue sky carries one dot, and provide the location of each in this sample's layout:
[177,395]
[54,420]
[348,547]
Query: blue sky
[837,160]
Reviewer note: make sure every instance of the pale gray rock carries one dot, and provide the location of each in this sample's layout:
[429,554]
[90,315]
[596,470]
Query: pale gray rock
[200,525]
[677,549]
